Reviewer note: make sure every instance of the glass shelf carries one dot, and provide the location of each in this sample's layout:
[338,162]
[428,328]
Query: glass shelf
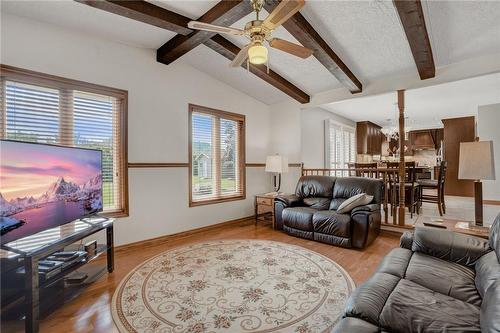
[53,237]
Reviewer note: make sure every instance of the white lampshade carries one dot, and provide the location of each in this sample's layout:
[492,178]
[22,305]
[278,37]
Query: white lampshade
[277,163]
[476,160]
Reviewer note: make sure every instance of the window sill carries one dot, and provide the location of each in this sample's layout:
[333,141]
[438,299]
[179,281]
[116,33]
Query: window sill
[116,214]
[215,201]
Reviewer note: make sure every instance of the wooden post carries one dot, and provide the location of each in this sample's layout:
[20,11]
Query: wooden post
[401,107]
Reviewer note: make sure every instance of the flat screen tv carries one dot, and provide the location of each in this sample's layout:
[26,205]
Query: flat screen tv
[43,186]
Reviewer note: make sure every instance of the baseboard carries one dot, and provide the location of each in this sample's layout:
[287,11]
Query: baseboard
[491,202]
[183,234]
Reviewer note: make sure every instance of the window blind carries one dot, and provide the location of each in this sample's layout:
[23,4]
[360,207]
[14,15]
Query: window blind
[71,117]
[216,155]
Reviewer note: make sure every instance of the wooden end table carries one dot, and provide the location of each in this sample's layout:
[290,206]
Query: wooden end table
[264,207]
[462,227]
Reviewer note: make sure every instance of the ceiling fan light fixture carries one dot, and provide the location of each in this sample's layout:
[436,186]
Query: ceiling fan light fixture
[257,54]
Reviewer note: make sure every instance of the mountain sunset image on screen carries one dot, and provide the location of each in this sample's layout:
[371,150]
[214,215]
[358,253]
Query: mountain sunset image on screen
[44,185]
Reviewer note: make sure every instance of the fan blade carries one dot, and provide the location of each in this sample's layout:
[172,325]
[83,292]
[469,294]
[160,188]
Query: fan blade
[282,12]
[214,28]
[240,57]
[289,47]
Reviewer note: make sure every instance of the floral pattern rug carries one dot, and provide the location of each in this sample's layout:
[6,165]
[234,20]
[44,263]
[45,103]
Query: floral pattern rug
[233,286]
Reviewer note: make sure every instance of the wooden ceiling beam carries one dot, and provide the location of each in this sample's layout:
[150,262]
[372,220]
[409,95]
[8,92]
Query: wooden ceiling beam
[412,18]
[224,13]
[144,12]
[303,31]
[227,49]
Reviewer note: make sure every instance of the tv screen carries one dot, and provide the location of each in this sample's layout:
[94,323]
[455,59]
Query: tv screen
[44,186]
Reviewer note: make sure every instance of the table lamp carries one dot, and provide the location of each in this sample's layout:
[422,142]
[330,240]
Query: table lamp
[476,161]
[276,164]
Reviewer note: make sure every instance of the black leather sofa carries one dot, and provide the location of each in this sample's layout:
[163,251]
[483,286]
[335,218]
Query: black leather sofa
[437,281]
[311,212]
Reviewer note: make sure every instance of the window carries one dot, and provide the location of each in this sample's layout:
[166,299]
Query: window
[216,156]
[42,108]
[340,145]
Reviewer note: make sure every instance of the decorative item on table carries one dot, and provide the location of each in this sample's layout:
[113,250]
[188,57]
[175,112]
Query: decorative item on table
[476,162]
[276,164]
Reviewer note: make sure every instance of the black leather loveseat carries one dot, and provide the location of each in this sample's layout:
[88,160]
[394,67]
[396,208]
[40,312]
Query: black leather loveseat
[438,281]
[311,212]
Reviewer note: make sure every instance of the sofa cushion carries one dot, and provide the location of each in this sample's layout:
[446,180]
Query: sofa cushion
[349,204]
[450,246]
[414,308]
[317,202]
[447,278]
[367,300]
[350,186]
[299,217]
[336,202]
[489,318]
[332,223]
[487,272]
[315,186]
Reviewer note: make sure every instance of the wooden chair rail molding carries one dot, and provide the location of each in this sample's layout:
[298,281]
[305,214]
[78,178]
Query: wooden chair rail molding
[185,165]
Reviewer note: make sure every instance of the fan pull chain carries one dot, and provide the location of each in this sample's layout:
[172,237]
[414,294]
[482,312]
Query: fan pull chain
[267,63]
[248,65]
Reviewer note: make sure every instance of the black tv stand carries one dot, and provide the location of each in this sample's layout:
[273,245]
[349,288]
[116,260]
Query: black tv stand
[94,219]
[27,253]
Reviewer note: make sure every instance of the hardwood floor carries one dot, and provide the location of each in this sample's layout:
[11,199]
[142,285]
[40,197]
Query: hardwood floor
[90,312]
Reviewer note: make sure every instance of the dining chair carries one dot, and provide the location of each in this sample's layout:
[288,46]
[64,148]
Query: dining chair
[412,188]
[368,170]
[436,185]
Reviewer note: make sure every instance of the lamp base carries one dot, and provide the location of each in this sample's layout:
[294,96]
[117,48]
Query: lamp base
[277,182]
[478,202]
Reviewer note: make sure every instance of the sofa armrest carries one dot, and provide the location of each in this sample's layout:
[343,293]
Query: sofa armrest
[281,202]
[406,240]
[366,208]
[451,246]
[365,225]
[289,200]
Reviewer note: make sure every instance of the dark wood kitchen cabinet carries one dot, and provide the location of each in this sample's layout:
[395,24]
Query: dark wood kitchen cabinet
[457,130]
[368,138]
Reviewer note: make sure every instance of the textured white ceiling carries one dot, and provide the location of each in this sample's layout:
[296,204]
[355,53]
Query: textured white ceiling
[208,61]
[462,30]
[73,15]
[425,107]
[366,35]
[191,8]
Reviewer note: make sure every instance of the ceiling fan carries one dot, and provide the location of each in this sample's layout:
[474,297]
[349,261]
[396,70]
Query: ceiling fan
[259,32]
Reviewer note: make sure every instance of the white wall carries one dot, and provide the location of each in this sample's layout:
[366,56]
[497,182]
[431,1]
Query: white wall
[313,135]
[158,119]
[488,120]
[298,133]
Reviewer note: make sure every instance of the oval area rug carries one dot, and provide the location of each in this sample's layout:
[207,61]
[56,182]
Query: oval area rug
[232,286]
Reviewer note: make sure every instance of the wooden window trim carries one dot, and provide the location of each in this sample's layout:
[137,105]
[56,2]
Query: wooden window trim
[240,156]
[11,73]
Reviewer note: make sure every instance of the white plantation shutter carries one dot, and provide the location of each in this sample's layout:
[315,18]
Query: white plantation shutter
[216,155]
[39,108]
[340,146]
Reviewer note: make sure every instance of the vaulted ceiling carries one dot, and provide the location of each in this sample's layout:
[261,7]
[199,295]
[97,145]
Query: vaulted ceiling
[369,37]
